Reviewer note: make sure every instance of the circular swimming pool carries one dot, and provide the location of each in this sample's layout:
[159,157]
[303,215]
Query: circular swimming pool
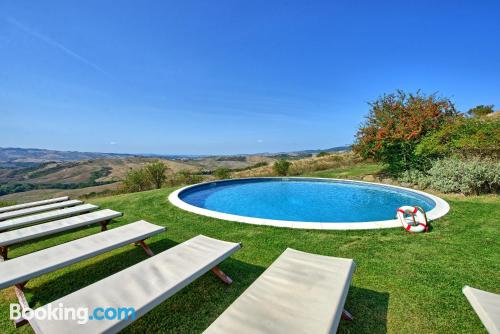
[305,202]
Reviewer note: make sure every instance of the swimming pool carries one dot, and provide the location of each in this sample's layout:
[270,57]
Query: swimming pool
[305,202]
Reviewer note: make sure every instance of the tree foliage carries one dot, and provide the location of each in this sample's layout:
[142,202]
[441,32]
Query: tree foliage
[281,167]
[222,173]
[481,110]
[156,173]
[397,122]
[466,137]
[136,180]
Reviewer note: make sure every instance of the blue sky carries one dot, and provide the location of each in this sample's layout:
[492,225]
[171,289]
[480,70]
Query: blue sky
[213,77]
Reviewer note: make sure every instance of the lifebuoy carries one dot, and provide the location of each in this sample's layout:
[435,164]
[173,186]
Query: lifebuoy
[418,221]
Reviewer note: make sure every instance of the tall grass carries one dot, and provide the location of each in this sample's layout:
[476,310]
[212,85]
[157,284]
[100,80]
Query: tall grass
[303,166]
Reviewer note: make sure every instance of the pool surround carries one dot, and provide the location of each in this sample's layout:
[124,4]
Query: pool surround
[438,211]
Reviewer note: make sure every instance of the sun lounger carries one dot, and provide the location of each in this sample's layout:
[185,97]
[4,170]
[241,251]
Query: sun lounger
[17,272]
[46,216]
[298,293]
[29,205]
[37,209]
[13,237]
[142,286]
[487,307]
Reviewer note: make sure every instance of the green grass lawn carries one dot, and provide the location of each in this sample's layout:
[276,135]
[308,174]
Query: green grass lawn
[403,283]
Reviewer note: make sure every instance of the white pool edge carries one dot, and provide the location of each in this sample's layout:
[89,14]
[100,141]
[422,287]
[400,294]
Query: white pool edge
[441,208]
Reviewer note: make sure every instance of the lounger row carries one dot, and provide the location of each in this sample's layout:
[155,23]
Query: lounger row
[37,209]
[299,292]
[19,271]
[13,237]
[31,204]
[45,216]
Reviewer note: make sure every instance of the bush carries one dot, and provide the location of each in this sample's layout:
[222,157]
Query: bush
[136,180]
[395,125]
[185,176]
[222,173]
[415,176]
[281,167]
[468,176]
[464,138]
[15,188]
[156,173]
[481,110]
[323,154]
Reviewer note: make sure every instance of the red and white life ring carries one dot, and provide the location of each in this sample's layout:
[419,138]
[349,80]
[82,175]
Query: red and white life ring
[418,221]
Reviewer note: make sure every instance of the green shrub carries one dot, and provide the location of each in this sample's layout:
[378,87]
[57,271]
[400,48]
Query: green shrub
[185,176]
[136,180]
[323,154]
[468,176]
[415,176]
[481,110]
[156,173]
[464,138]
[281,167]
[222,173]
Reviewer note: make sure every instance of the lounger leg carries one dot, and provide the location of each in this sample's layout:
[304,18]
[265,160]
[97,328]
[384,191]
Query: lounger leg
[346,315]
[104,225]
[145,247]
[219,273]
[3,253]
[19,288]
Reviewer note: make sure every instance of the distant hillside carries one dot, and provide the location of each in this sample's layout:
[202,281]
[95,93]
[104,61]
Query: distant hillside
[304,153]
[332,149]
[26,156]
[31,157]
[92,175]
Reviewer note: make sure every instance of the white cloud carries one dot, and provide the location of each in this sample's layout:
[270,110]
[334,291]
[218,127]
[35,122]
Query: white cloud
[112,143]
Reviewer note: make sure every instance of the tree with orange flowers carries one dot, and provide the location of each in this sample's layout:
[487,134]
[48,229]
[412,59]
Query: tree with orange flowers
[397,122]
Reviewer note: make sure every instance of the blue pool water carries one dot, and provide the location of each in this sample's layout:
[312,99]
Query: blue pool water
[306,200]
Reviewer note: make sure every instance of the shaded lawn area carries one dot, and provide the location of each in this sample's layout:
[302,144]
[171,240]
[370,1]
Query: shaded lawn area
[403,283]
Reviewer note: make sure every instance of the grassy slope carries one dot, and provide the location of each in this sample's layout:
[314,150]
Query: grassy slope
[353,171]
[404,283]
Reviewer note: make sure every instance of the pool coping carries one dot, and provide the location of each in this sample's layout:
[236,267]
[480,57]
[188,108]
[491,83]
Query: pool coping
[441,208]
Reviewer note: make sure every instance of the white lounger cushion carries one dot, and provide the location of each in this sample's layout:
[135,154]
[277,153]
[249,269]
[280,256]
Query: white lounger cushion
[56,226]
[29,205]
[46,216]
[142,286]
[487,307]
[32,265]
[299,293]
[37,209]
